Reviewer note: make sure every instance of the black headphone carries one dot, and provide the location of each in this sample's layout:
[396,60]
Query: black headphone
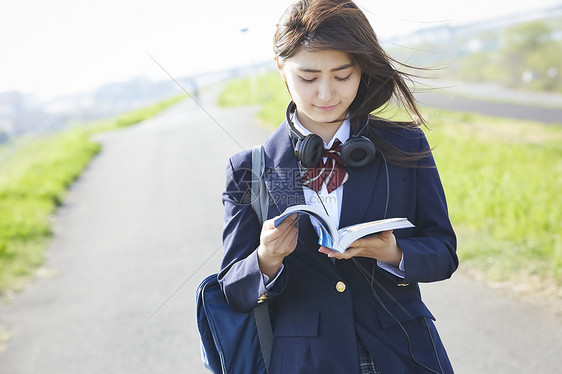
[356,152]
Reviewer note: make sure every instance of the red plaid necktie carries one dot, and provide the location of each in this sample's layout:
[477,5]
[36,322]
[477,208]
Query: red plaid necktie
[332,172]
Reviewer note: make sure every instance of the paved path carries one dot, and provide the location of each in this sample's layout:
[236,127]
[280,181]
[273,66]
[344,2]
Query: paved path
[136,228]
[141,228]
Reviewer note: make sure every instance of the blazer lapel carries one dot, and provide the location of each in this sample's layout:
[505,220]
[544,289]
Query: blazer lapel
[358,192]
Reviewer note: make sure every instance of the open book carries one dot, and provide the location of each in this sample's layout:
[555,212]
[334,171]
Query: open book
[338,240]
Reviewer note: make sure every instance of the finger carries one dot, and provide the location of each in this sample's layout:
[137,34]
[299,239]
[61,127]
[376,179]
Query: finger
[330,252]
[348,253]
[273,237]
[286,225]
[324,250]
[288,243]
[386,235]
[294,239]
[271,233]
[287,221]
[292,225]
[291,228]
[267,225]
[337,255]
[354,252]
[367,241]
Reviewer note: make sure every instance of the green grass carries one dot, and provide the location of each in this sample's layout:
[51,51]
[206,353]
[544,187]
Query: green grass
[135,116]
[502,178]
[33,181]
[268,91]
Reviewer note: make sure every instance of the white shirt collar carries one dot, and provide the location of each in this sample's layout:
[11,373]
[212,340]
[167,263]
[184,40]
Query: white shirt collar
[342,134]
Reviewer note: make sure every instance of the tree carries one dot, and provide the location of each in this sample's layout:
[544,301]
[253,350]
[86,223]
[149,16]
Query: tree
[522,43]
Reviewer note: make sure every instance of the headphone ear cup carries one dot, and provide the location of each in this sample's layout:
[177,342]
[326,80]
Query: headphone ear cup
[309,150]
[358,151]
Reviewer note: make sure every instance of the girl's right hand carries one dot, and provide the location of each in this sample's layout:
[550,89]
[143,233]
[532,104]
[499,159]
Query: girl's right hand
[276,243]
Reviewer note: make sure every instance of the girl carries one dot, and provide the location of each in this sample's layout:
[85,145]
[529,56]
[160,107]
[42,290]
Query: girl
[360,311]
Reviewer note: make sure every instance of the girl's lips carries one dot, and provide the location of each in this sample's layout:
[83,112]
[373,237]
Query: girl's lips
[326,108]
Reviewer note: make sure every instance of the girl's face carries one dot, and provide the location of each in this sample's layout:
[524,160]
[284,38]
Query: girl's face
[323,84]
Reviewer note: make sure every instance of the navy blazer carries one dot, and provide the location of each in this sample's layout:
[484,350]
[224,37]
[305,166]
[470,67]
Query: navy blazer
[319,306]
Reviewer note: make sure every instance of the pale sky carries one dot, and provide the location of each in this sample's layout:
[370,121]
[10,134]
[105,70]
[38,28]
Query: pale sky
[66,46]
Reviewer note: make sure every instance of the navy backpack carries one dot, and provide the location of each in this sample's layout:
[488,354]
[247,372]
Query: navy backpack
[233,342]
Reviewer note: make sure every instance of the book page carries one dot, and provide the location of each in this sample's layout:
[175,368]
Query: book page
[324,237]
[349,234]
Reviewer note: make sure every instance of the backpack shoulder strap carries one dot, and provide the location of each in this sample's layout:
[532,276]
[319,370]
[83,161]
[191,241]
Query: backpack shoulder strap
[260,196]
[260,204]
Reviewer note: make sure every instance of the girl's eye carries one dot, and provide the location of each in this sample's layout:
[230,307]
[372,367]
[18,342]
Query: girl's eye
[343,79]
[307,80]
[339,79]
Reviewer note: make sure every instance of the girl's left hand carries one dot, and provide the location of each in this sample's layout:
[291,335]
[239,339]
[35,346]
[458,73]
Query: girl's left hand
[381,246]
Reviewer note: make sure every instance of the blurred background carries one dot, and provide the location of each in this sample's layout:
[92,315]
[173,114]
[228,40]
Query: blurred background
[73,60]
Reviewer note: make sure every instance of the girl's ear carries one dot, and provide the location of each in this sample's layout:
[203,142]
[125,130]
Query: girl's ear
[280,68]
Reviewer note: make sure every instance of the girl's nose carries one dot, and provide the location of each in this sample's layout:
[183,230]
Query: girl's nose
[325,91]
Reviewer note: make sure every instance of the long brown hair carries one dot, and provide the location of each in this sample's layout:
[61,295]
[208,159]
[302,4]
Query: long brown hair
[340,25]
